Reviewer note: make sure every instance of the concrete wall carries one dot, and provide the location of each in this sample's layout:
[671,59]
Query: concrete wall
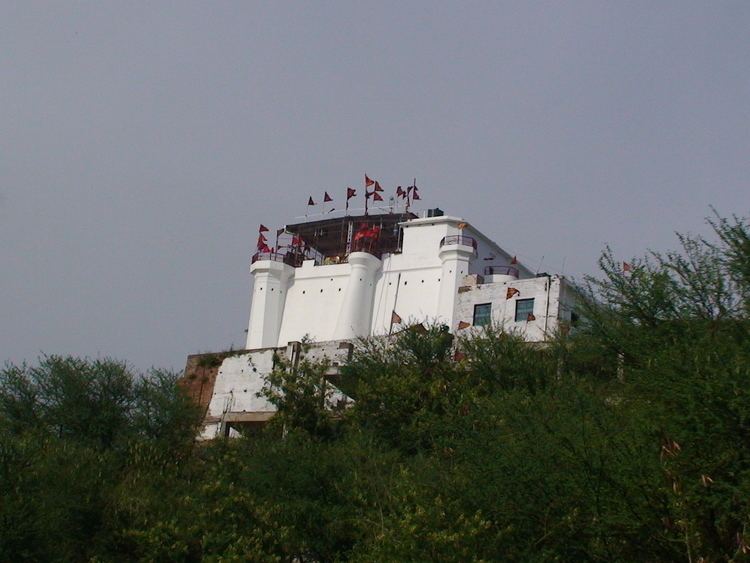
[545,290]
[238,380]
[241,376]
[313,300]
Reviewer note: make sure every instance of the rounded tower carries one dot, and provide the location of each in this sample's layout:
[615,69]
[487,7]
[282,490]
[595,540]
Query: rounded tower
[269,296]
[455,253]
[356,309]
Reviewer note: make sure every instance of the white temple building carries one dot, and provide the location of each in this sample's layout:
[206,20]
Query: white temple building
[434,268]
[342,278]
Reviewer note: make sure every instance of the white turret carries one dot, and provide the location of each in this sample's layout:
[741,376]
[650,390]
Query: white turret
[267,307]
[355,315]
[455,253]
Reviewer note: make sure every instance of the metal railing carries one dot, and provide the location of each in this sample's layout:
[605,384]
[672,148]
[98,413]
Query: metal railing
[293,259]
[458,240]
[501,271]
[273,256]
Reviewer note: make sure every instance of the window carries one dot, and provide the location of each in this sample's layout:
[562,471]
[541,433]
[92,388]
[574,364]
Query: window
[524,309]
[482,314]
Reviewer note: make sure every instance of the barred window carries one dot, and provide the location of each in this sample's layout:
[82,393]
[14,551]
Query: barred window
[482,314]
[524,309]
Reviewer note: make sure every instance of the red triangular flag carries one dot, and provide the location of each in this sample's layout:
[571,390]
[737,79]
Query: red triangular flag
[511,292]
[377,187]
[463,324]
[395,318]
[415,195]
[368,182]
[263,228]
[400,192]
[310,201]
[530,317]
[350,193]
[327,198]
[376,196]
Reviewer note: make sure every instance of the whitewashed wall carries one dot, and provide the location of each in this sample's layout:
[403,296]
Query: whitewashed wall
[313,301]
[240,378]
[546,292]
[238,381]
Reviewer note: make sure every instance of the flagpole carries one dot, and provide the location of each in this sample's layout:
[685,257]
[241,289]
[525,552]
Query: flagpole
[395,302]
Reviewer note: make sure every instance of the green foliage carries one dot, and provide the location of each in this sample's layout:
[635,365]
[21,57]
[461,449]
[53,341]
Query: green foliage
[626,440]
[71,431]
[303,397]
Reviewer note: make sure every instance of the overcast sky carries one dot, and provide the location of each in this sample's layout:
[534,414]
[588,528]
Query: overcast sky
[141,143]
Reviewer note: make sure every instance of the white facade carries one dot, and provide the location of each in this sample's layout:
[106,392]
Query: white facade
[420,283]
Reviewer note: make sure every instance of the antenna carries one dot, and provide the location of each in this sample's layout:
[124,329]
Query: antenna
[539,267]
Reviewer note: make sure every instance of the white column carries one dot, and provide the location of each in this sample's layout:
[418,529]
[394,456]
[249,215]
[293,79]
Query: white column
[267,307]
[455,258]
[356,310]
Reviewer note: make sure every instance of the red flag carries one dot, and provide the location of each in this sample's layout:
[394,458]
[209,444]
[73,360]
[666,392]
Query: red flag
[627,267]
[327,198]
[376,196]
[350,193]
[395,318]
[415,195]
[261,238]
[377,187]
[530,317]
[514,260]
[463,324]
[296,240]
[368,182]
[280,231]
[310,201]
[400,192]
[511,292]
[263,228]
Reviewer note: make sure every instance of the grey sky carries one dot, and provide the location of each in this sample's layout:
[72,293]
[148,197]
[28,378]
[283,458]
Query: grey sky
[141,143]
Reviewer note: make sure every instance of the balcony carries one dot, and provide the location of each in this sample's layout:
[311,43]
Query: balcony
[273,256]
[291,259]
[458,240]
[501,271]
